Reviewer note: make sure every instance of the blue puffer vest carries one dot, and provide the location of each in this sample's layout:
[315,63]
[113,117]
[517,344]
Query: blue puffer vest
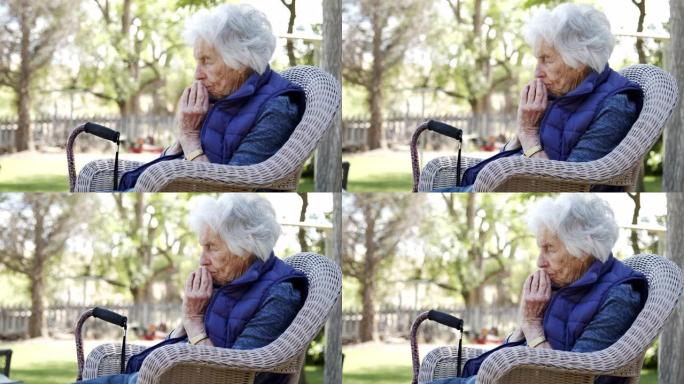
[568,117]
[573,307]
[231,118]
[234,304]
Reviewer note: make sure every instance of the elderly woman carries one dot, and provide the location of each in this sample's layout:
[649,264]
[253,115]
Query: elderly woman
[581,299]
[242,296]
[577,108]
[237,111]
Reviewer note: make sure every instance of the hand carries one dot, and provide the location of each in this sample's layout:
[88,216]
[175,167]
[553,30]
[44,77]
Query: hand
[533,102]
[535,298]
[193,106]
[198,289]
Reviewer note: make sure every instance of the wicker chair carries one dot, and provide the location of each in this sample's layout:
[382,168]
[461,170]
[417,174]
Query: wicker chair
[280,172]
[619,168]
[624,358]
[185,363]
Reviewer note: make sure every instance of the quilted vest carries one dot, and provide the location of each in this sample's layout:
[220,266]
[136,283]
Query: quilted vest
[234,304]
[230,119]
[573,307]
[567,117]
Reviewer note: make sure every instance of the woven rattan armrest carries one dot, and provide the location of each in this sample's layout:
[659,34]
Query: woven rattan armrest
[164,364]
[181,175]
[441,363]
[105,359]
[518,173]
[97,175]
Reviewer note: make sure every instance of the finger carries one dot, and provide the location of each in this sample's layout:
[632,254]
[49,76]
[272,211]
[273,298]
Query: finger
[205,92]
[523,94]
[527,285]
[188,282]
[535,282]
[200,94]
[539,92]
[184,97]
[197,281]
[193,94]
[542,281]
[206,280]
[532,92]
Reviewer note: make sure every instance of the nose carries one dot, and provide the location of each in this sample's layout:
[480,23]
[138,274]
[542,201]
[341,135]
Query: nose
[538,73]
[541,261]
[204,259]
[199,73]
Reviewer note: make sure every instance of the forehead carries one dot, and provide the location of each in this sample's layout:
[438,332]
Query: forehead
[544,49]
[203,49]
[546,237]
[208,235]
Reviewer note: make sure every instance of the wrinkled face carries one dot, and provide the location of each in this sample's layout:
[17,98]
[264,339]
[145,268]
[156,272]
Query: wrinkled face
[223,265]
[219,79]
[558,77]
[563,268]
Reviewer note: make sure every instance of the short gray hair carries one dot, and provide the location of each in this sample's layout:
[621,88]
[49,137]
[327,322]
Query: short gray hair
[240,33]
[246,222]
[585,224]
[580,33]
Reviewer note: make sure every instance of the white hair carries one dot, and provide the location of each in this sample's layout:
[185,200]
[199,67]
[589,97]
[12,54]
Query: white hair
[584,223]
[580,33]
[246,222]
[239,32]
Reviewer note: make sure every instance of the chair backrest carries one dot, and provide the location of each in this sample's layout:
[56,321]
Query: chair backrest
[323,98]
[7,355]
[325,288]
[660,97]
[665,285]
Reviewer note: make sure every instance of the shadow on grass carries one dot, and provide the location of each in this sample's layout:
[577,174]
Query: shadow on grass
[46,373]
[39,183]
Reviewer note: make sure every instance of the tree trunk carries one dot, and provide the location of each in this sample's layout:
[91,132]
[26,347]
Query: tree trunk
[329,152]
[640,28]
[368,302]
[333,343]
[673,168]
[290,28]
[301,234]
[671,350]
[375,133]
[24,136]
[634,236]
[37,319]
[368,280]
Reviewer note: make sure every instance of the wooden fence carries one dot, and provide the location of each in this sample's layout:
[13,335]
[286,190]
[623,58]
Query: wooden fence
[53,131]
[396,322]
[390,322]
[14,321]
[398,129]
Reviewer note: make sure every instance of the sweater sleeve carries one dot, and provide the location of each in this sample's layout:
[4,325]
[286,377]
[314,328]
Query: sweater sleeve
[606,131]
[271,130]
[616,315]
[275,315]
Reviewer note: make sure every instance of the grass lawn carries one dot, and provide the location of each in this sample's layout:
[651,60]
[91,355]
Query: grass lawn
[390,171]
[47,172]
[47,361]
